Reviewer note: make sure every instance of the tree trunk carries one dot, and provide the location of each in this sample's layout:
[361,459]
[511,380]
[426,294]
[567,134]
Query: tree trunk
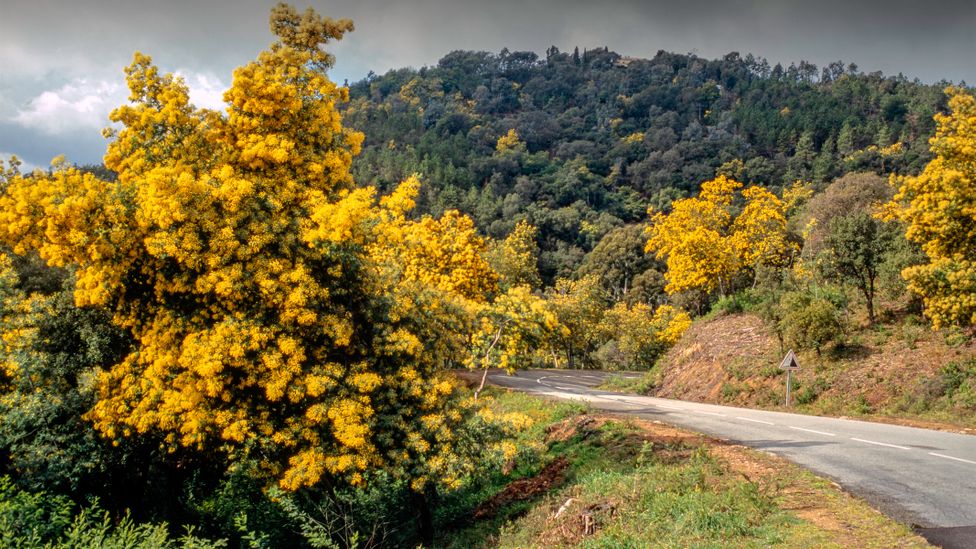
[481,386]
[425,519]
[869,295]
[484,361]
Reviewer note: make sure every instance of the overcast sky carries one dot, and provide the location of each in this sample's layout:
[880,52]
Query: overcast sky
[61,60]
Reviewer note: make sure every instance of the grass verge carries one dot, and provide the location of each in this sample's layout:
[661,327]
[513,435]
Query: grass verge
[593,480]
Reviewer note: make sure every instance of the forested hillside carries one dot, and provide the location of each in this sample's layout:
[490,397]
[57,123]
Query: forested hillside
[244,328]
[580,143]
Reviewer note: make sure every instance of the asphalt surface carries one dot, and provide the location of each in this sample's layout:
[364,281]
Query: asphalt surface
[921,477]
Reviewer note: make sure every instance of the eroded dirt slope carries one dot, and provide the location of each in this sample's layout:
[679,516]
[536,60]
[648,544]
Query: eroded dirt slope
[885,371]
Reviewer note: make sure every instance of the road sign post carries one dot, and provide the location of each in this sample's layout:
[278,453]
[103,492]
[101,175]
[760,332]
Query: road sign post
[789,384]
[789,364]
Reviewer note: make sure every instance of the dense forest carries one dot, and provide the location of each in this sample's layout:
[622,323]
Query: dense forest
[599,137]
[243,326]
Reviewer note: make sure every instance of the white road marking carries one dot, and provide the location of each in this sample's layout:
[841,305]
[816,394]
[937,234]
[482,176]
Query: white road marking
[952,458]
[881,443]
[710,413]
[813,431]
[755,420]
[666,406]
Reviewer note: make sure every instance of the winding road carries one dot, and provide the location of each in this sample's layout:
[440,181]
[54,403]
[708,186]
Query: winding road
[921,477]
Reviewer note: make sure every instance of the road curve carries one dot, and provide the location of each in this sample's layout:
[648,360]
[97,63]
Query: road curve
[918,476]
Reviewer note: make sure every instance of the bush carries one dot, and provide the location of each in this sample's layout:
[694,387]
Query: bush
[912,334]
[29,519]
[959,382]
[811,392]
[811,320]
[740,302]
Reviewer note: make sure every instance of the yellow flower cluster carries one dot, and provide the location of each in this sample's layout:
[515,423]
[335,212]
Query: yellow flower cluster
[275,306]
[939,209]
[509,142]
[705,247]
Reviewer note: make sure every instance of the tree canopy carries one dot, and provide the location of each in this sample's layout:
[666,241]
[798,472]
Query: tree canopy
[278,311]
[939,208]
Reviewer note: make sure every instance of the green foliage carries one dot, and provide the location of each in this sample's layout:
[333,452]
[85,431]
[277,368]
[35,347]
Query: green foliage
[955,337]
[35,519]
[731,390]
[642,385]
[739,302]
[810,393]
[959,381]
[600,138]
[854,193]
[812,318]
[911,334]
[31,519]
[41,426]
[623,268]
[854,251]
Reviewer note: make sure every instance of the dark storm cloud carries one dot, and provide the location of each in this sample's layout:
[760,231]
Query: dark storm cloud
[928,40]
[61,60]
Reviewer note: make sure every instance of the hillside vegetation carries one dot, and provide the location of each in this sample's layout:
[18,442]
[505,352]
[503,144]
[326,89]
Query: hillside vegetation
[899,372]
[241,329]
[579,143]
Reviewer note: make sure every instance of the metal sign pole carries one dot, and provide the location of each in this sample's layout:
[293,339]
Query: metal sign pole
[789,364]
[789,382]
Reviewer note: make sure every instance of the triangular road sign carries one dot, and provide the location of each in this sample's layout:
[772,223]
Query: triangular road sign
[789,362]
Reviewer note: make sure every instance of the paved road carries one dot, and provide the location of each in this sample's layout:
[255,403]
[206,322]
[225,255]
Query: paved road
[918,476]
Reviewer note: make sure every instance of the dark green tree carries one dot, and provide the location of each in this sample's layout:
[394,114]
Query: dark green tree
[619,261]
[855,250]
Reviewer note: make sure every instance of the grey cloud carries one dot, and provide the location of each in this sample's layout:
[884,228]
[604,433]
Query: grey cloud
[46,44]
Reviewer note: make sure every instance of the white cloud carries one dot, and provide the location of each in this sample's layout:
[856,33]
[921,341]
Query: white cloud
[25,166]
[80,104]
[84,104]
[206,89]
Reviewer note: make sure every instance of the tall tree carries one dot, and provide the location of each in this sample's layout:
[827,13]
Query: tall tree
[856,247]
[706,246]
[939,208]
[618,259]
[279,313]
[800,166]
[516,258]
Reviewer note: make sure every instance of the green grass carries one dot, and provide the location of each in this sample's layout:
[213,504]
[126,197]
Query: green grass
[642,489]
[631,384]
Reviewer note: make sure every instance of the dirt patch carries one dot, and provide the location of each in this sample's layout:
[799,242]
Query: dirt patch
[728,349]
[551,476]
[568,428]
[575,520]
